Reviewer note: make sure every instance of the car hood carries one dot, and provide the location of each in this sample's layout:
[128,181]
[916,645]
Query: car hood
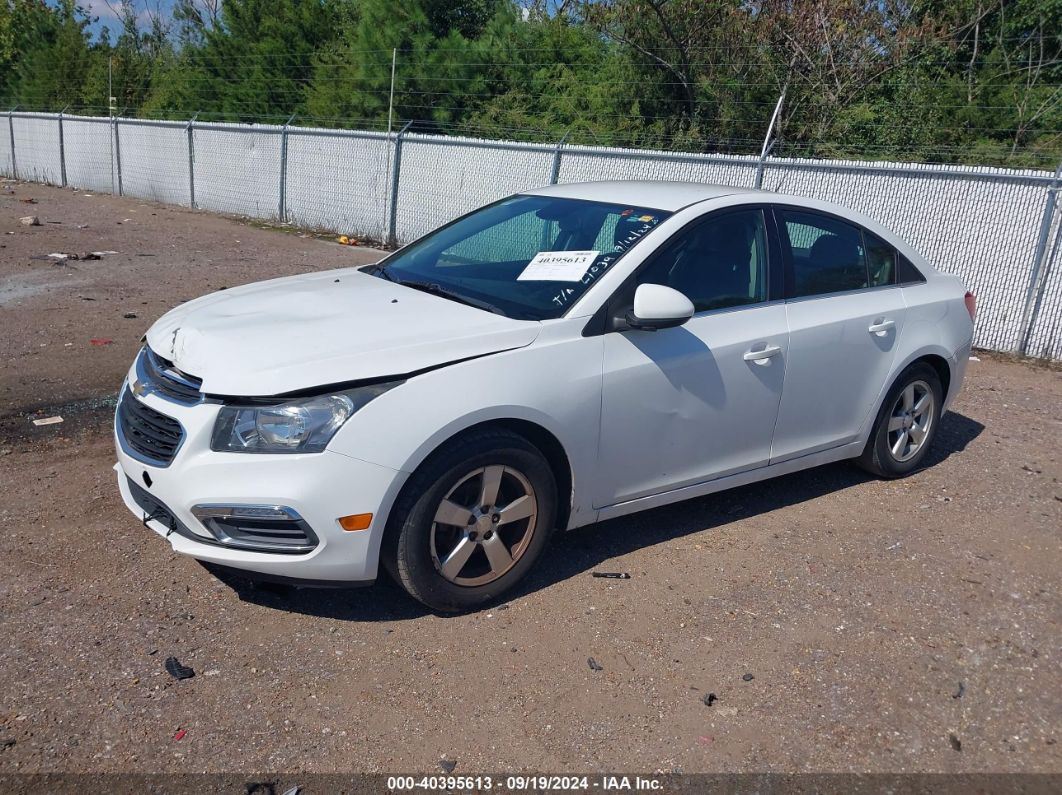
[300,332]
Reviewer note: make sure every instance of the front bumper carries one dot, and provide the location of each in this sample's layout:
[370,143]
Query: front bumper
[320,487]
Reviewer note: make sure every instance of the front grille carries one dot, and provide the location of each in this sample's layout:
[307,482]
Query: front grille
[159,375]
[146,434]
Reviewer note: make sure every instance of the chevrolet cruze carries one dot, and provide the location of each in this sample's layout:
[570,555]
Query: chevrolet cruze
[559,357]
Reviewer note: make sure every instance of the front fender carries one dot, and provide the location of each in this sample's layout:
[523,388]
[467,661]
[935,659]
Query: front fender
[556,386]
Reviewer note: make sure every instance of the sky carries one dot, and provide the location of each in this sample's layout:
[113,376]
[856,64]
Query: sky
[104,13]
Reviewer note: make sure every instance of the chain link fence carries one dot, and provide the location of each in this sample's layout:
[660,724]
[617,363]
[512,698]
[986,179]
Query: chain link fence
[998,229]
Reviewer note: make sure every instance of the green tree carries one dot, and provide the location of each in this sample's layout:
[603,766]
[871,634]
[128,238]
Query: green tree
[46,52]
[254,62]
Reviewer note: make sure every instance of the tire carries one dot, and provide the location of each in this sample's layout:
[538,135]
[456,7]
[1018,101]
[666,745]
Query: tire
[443,549]
[893,449]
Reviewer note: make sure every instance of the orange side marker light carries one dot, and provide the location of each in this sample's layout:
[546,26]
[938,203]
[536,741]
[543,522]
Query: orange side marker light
[357,521]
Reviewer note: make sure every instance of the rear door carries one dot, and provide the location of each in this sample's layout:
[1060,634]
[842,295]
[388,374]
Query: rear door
[845,315]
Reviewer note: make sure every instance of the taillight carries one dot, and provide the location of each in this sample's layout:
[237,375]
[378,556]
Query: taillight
[971,304]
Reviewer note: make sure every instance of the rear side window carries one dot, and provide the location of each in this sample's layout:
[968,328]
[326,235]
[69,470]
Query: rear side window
[827,254]
[881,260]
[906,272]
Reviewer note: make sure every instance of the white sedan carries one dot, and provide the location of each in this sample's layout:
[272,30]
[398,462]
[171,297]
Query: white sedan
[560,357]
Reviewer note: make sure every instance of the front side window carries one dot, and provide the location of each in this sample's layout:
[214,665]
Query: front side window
[526,257]
[827,254]
[719,263]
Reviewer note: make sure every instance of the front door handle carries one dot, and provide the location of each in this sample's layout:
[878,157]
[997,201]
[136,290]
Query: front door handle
[881,327]
[763,355]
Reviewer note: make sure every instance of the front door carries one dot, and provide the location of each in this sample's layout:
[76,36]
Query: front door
[697,402]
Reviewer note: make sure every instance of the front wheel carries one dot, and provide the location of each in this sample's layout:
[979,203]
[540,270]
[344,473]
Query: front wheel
[906,425]
[472,520]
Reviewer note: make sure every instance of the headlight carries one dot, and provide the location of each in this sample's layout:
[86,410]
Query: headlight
[305,425]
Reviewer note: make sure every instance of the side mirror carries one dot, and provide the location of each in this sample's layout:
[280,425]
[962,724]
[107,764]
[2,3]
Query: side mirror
[657,307]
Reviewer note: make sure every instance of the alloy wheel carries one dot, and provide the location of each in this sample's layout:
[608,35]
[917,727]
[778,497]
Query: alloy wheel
[483,525]
[911,420]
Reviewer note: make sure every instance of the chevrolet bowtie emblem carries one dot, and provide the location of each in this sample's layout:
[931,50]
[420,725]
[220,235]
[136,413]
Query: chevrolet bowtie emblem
[138,388]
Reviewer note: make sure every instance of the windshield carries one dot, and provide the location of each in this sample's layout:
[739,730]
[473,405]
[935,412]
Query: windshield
[526,257]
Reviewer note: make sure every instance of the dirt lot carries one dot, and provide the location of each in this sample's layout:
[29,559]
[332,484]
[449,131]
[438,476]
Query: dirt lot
[887,626]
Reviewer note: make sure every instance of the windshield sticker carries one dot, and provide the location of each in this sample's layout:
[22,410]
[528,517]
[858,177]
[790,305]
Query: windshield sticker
[558,266]
[604,262]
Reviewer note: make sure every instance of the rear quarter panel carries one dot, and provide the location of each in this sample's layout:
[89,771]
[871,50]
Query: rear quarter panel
[937,324]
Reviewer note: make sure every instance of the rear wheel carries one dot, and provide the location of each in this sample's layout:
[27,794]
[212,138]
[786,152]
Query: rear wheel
[472,520]
[906,425]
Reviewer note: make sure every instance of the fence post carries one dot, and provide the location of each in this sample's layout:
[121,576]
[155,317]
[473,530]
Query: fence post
[554,173]
[768,144]
[1028,315]
[191,161]
[11,130]
[118,156]
[62,149]
[396,167]
[282,210]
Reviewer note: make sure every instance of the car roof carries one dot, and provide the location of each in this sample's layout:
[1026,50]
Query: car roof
[655,194]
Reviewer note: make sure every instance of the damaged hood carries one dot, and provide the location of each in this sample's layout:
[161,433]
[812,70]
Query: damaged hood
[300,332]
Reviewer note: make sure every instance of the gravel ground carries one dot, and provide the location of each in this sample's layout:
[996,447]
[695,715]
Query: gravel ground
[842,623]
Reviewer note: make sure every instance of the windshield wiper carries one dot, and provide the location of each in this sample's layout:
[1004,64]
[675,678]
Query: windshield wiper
[381,270]
[442,292]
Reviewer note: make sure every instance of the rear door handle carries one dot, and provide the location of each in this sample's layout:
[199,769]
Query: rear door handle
[881,327]
[761,356]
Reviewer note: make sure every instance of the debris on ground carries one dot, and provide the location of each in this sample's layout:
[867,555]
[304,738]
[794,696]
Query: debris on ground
[710,699]
[179,735]
[29,220]
[958,693]
[748,677]
[956,743]
[611,575]
[974,359]
[63,256]
[346,240]
[129,315]
[178,671]
[594,665]
[29,200]
[48,421]
[100,341]
[447,765]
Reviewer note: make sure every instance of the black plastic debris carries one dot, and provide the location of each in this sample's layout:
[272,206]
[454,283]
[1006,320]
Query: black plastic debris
[611,575]
[748,677]
[956,743]
[958,693]
[447,765]
[710,699]
[594,665]
[259,787]
[129,315]
[178,671]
